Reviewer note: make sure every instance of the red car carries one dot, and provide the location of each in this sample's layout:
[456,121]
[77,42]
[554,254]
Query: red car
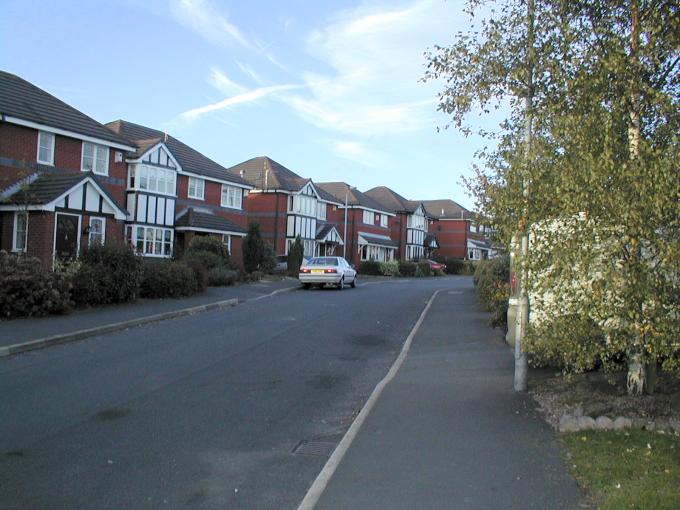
[435,265]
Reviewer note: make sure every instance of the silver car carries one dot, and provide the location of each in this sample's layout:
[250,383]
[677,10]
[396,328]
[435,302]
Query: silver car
[328,270]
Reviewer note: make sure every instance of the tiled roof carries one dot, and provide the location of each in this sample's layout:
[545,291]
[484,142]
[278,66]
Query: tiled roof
[266,174]
[21,99]
[447,209]
[379,240]
[50,186]
[389,198]
[190,159]
[192,218]
[354,196]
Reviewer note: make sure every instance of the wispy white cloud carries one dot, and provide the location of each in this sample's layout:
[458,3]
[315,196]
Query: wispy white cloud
[221,82]
[245,97]
[204,18]
[355,151]
[375,60]
[248,71]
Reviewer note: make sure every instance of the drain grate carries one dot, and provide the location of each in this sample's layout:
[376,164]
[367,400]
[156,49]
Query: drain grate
[317,448]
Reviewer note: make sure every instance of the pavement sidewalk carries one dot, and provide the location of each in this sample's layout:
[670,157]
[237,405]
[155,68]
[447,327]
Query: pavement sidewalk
[449,431]
[31,329]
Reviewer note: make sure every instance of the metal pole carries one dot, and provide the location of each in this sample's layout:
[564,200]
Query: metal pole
[520,379]
[344,240]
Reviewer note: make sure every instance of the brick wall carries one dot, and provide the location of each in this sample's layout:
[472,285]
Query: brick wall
[452,238]
[262,208]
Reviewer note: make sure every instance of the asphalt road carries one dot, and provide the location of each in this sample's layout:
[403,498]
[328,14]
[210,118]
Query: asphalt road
[203,411]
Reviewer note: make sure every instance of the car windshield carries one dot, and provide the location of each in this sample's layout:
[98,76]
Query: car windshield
[323,261]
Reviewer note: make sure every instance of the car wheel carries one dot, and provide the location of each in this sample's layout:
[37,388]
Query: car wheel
[305,286]
[354,282]
[341,283]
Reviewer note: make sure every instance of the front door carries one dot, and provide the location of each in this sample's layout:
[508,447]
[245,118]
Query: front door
[66,237]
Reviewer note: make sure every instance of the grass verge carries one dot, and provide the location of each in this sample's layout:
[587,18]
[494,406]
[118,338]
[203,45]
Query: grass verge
[628,469]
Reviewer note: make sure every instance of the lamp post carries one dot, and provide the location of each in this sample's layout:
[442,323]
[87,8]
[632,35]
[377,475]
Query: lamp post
[344,235]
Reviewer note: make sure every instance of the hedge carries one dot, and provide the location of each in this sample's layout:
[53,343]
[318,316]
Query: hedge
[370,267]
[28,289]
[407,268]
[167,279]
[492,279]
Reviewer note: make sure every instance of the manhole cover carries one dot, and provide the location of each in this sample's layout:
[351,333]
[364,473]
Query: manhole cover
[318,448]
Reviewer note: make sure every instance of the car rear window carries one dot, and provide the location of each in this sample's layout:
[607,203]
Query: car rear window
[323,261]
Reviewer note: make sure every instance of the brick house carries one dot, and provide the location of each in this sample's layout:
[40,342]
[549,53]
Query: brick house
[175,193]
[286,205]
[367,223]
[62,175]
[410,227]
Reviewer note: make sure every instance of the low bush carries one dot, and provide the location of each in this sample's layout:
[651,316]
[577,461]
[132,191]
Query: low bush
[492,279]
[222,277]
[407,268]
[438,272]
[268,261]
[469,267]
[425,269]
[208,251]
[200,272]
[390,268]
[254,276]
[453,266]
[370,267]
[167,279]
[109,273]
[28,289]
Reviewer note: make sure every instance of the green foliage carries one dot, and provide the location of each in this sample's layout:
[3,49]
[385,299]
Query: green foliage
[222,277]
[492,279]
[370,267]
[407,268]
[257,254]
[196,264]
[601,169]
[268,261]
[425,269]
[109,273]
[390,268]
[295,256]
[167,279]
[208,251]
[28,289]
[453,266]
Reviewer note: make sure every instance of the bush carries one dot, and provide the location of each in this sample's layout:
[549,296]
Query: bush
[469,267]
[209,251]
[407,268]
[109,273]
[390,268]
[425,269]
[200,272]
[370,267]
[295,255]
[492,279]
[28,289]
[253,248]
[268,260]
[222,277]
[454,266]
[167,279]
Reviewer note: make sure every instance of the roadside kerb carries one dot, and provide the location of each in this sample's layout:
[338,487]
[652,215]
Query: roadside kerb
[110,328]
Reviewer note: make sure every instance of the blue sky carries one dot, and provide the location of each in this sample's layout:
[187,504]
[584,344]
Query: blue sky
[329,89]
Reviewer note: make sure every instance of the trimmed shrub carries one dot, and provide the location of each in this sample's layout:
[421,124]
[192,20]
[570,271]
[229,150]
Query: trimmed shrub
[222,277]
[295,255]
[28,289]
[419,272]
[390,268]
[425,268]
[438,272]
[200,272]
[492,279]
[268,260]
[109,273]
[167,279]
[253,247]
[454,266]
[209,251]
[407,268]
[370,267]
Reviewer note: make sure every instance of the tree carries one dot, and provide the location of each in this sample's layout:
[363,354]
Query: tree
[253,248]
[604,204]
[295,255]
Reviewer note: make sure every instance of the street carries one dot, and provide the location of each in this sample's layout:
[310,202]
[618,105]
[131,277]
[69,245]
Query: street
[237,408]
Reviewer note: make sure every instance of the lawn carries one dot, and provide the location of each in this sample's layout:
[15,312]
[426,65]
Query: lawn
[627,469]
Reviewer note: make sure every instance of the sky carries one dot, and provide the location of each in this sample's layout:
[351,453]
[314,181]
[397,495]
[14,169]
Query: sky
[330,89]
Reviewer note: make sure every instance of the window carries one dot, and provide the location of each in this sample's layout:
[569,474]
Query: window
[321,211]
[154,241]
[196,188]
[97,231]
[226,241]
[20,231]
[302,204]
[45,148]
[231,196]
[150,178]
[383,220]
[369,218]
[95,158]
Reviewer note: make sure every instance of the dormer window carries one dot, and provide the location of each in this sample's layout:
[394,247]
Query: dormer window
[45,148]
[95,159]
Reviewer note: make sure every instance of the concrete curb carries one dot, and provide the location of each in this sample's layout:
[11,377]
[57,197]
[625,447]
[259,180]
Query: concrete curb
[63,338]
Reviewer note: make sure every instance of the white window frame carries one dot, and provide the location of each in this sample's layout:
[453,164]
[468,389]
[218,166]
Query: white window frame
[155,238]
[196,183]
[321,211]
[15,248]
[233,194]
[226,241]
[90,240]
[369,217]
[384,220]
[49,136]
[96,149]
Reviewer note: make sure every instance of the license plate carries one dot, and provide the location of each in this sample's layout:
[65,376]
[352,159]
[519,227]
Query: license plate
[317,270]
